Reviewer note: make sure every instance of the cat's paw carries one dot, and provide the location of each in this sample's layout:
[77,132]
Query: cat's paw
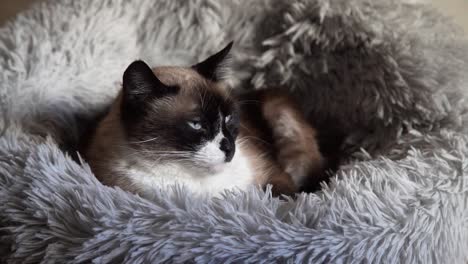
[279,191]
[283,186]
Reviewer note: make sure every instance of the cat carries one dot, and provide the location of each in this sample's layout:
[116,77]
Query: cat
[182,125]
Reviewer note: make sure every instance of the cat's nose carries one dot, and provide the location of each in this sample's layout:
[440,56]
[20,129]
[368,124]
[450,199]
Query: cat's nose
[228,148]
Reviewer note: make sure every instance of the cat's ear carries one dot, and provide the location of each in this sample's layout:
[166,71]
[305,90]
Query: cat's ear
[215,66]
[140,83]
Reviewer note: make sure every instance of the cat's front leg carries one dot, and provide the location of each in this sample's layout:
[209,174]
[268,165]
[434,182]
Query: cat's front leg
[297,150]
[282,184]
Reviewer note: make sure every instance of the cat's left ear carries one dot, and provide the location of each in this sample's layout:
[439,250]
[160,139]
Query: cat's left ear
[215,67]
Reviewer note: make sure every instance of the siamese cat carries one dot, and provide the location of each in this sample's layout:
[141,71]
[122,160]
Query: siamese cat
[181,125]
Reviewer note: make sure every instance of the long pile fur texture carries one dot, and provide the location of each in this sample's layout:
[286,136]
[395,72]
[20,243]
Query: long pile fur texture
[391,73]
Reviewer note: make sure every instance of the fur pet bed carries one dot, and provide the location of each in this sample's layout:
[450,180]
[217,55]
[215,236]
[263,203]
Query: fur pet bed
[392,74]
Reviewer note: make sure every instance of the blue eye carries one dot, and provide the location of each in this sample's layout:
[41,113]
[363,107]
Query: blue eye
[195,125]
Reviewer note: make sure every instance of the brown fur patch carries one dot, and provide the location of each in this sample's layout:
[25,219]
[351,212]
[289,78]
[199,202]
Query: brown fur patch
[295,140]
[277,127]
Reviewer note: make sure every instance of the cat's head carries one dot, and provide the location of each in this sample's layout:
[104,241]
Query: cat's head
[180,114]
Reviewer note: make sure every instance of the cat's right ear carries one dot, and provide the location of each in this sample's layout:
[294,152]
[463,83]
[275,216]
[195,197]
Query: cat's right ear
[140,83]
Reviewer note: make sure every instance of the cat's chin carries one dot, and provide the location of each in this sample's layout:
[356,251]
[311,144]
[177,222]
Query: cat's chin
[208,169]
[218,168]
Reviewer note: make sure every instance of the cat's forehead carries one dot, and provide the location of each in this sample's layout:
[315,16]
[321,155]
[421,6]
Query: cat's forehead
[185,78]
[195,92]
[177,76]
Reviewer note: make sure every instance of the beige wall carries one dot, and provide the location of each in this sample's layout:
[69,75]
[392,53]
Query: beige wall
[456,8]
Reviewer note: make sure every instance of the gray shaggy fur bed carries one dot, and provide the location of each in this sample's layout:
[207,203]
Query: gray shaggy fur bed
[393,74]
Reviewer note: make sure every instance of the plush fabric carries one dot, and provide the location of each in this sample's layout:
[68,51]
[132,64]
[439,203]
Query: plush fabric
[391,74]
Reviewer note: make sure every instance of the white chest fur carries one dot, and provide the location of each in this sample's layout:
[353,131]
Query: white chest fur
[238,174]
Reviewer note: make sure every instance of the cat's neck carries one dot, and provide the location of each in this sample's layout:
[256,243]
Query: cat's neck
[146,177]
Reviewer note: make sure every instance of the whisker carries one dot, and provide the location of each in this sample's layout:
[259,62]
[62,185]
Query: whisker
[157,153]
[255,138]
[144,141]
